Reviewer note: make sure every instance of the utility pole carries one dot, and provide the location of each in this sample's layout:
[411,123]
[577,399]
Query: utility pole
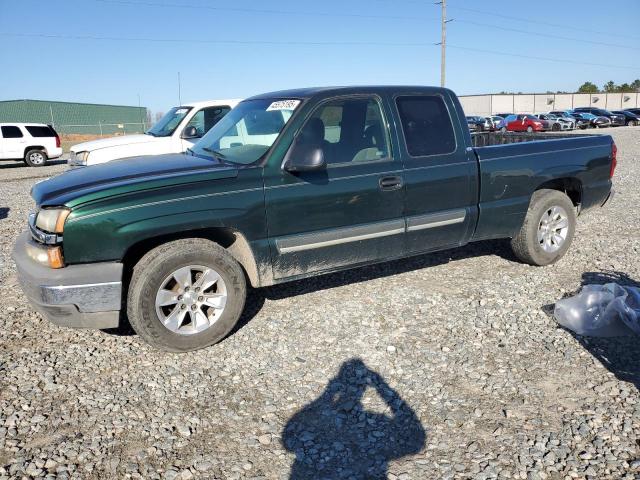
[443,41]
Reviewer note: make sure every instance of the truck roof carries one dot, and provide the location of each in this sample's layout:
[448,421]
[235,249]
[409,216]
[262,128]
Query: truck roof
[213,103]
[306,93]
[23,124]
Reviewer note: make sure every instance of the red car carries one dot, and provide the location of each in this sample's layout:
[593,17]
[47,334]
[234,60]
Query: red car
[523,123]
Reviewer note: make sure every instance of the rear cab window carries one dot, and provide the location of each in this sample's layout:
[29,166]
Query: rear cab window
[10,131]
[426,125]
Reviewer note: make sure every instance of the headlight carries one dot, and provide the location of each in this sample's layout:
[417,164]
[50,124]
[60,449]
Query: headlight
[78,158]
[52,219]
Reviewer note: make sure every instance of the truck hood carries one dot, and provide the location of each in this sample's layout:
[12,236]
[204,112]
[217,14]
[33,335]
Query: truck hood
[123,176]
[115,142]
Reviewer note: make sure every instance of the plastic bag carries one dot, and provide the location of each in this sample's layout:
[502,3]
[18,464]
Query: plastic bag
[608,310]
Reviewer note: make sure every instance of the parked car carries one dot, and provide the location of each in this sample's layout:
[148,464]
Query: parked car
[175,237]
[523,122]
[555,122]
[176,131]
[631,119]
[635,111]
[495,119]
[563,114]
[478,124]
[589,120]
[33,143]
[616,119]
[504,115]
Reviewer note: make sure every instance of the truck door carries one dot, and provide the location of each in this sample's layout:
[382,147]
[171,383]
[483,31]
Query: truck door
[13,142]
[440,174]
[351,211]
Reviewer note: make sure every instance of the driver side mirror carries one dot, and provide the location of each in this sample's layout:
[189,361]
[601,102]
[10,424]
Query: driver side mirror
[303,157]
[190,132]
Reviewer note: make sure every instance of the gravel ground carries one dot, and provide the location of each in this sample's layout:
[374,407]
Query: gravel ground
[441,366]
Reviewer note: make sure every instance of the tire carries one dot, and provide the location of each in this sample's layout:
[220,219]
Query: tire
[150,277]
[35,158]
[526,244]
[556,127]
[529,129]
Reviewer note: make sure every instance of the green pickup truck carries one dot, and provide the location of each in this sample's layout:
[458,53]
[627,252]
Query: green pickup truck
[290,185]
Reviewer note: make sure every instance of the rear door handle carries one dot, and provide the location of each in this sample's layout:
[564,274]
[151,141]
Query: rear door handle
[390,183]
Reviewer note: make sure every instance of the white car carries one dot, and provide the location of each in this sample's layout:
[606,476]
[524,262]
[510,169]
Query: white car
[175,132]
[34,143]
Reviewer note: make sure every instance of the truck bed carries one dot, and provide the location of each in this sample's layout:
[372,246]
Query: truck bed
[512,165]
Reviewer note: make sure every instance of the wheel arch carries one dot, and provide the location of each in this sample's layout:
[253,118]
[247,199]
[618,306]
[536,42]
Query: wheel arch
[570,186]
[230,239]
[33,147]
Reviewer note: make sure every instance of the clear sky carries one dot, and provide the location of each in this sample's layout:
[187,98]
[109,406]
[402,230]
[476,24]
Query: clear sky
[111,51]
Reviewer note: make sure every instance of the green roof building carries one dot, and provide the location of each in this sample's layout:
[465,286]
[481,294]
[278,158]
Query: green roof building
[79,118]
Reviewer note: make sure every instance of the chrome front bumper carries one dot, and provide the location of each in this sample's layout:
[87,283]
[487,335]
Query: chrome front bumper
[81,296]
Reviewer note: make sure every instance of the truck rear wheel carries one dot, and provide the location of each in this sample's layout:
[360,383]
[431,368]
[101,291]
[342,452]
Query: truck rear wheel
[548,229]
[35,158]
[186,295]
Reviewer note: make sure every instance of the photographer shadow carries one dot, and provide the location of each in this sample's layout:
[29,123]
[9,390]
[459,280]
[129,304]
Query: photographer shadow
[336,437]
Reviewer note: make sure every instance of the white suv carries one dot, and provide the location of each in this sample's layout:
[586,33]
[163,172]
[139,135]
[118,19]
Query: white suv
[175,132]
[34,143]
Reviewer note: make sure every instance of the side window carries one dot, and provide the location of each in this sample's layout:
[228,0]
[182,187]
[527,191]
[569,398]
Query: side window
[11,132]
[207,118]
[427,126]
[37,131]
[349,131]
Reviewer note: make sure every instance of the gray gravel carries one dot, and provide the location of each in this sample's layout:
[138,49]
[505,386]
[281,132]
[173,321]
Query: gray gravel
[441,366]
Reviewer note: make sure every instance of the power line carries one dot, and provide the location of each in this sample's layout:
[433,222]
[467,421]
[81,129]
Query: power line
[533,57]
[223,42]
[258,10]
[548,35]
[293,43]
[563,26]
[358,15]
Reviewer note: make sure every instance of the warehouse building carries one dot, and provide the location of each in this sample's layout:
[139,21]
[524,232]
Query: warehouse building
[77,118]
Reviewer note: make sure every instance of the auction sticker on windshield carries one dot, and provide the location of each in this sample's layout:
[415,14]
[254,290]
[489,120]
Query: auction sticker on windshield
[283,105]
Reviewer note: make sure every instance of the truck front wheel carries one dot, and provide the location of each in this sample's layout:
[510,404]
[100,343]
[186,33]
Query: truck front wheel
[186,295]
[548,228]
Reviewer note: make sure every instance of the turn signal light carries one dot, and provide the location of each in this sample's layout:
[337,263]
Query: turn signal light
[614,159]
[55,257]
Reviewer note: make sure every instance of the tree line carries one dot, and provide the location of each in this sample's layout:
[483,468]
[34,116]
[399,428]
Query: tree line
[610,87]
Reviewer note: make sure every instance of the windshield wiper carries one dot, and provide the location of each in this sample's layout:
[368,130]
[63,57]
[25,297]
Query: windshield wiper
[149,132]
[190,152]
[216,153]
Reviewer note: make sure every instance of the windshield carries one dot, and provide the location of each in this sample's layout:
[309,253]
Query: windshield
[169,122]
[247,132]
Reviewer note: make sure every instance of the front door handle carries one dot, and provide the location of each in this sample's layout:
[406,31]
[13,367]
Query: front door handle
[390,183]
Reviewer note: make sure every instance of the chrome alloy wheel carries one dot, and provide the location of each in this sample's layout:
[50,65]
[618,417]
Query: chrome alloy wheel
[553,229]
[191,299]
[36,158]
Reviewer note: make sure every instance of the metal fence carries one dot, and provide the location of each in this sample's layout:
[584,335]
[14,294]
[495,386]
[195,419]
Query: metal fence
[491,104]
[110,129]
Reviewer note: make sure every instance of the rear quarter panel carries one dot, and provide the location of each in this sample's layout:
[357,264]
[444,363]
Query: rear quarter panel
[509,174]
